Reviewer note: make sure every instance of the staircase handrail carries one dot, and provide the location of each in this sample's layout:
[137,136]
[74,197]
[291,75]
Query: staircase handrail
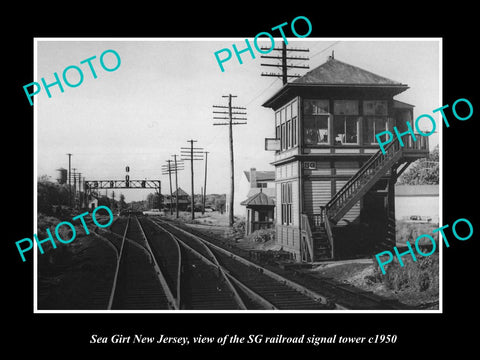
[328,230]
[308,232]
[378,156]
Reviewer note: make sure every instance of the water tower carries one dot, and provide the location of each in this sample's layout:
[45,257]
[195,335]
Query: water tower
[62,176]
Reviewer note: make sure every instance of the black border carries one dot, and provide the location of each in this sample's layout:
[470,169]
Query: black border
[50,333]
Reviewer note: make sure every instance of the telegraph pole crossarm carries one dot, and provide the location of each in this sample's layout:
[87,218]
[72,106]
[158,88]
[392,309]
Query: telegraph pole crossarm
[178,166]
[284,66]
[192,154]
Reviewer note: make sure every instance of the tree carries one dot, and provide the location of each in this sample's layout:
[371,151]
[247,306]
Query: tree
[122,203]
[423,171]
[220,204]
[50,194]
[153,201]
[103,201]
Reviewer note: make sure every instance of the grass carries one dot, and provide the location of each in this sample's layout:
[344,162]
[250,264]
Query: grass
[415,280]
[416,283]
[69,274]
[406,231]
[419,276]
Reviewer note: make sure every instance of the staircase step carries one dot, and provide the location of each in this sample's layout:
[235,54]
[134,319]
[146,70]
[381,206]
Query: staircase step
[325,246]
[322,257]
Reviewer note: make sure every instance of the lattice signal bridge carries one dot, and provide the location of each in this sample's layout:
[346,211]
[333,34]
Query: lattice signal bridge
[123,184]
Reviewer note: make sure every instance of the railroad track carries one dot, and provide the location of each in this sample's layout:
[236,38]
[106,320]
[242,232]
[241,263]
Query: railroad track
[137,283]
[195,283]
[183,280]
[163,266]
[257,287]
[331,294]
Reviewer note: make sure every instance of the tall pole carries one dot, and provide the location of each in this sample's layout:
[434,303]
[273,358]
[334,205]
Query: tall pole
[230,124]
[69,180]
[284,64]
[232,172]
[176,186]
[80,189]
[192,200]
[192,154]
[74,188]
[205,182]
[170,179]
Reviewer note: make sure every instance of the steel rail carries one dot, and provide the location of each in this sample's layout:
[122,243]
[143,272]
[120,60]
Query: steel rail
[119,260]
[178,275]
[174,303]
[211,262]
[302,289]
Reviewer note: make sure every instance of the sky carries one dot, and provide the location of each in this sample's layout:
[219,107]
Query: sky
[163,93]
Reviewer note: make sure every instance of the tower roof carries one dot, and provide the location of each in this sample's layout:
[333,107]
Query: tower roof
[336,77]
[334,72]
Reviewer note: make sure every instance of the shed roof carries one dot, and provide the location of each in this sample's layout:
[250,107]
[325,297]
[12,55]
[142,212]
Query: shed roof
[181,192]
[270,192]
[259,199]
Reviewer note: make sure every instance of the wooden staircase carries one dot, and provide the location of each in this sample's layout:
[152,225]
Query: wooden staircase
[319,232]
[316,237]
[322,250]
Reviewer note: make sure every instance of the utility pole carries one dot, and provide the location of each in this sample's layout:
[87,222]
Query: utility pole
[192,154]
[205,183]
[80,189]
[69,180]
[230,124]
[176,165]
[74,189]
[284,66]
[168,169]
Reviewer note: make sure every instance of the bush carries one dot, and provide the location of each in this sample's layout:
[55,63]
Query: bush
[239,227]
[406,231]
[421,275]
[262,235]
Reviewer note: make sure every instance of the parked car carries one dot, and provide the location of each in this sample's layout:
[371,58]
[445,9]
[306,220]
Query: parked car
[418,219]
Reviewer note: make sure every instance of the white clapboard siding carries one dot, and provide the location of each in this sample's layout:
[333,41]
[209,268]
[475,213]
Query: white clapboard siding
[346,167]
[316,193]
[354,212]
